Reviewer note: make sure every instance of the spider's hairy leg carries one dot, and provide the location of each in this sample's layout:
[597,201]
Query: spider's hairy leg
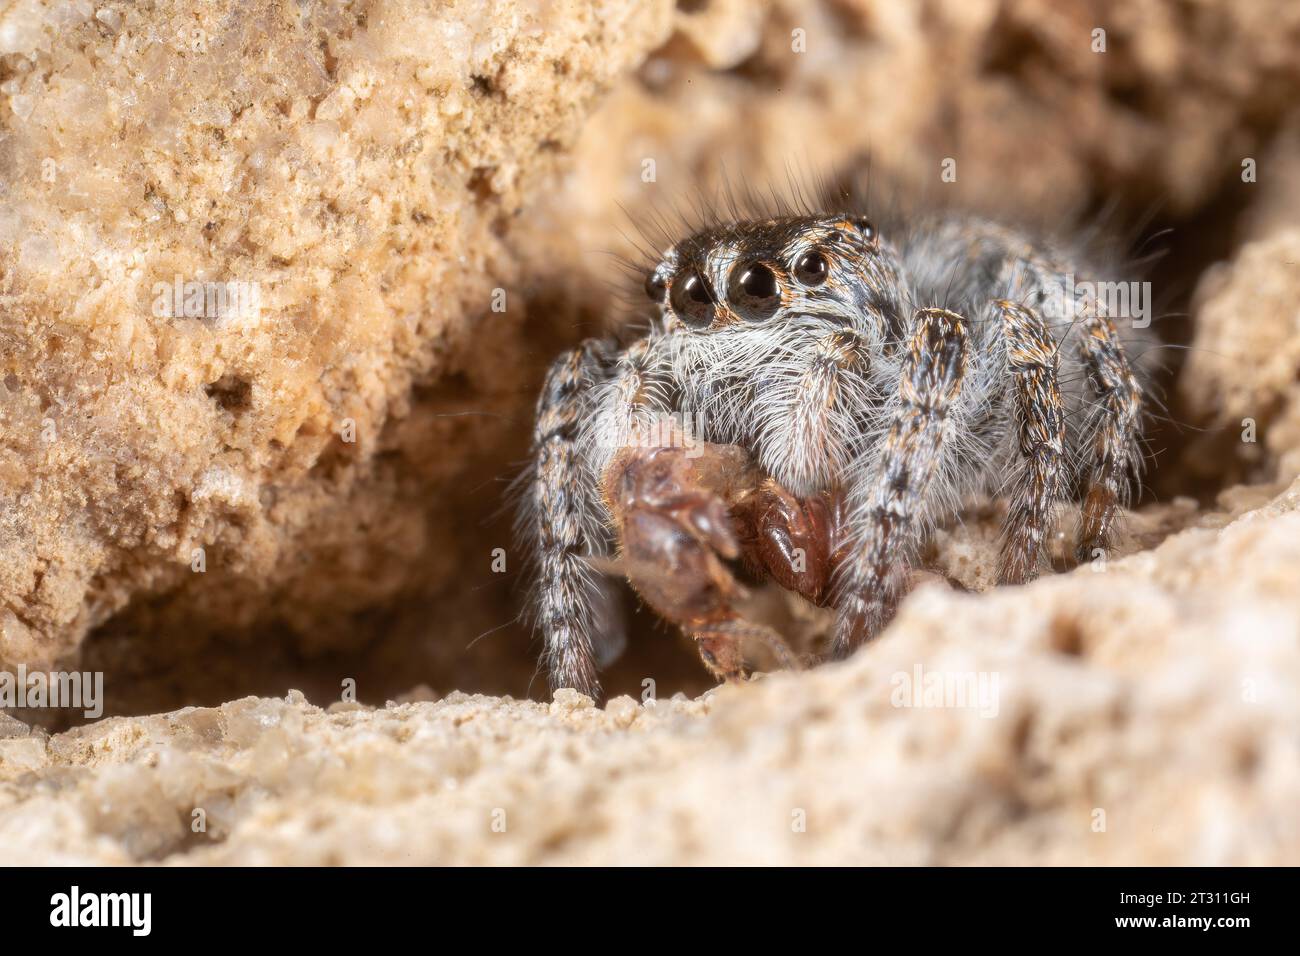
[629,407]
[887,510]
[572,603]
[1040,420]
[1112,429]
[596,400]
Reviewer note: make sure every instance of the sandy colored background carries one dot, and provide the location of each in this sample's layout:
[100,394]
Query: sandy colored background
[379,169]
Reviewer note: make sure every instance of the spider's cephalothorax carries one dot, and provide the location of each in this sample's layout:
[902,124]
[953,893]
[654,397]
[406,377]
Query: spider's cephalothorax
[871,382]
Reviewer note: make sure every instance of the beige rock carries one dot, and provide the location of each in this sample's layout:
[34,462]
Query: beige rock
[1140,715]
[351,175]
[1243,370]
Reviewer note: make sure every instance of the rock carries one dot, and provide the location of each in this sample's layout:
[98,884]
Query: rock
[1140,715]
[1248,317]
[249,263]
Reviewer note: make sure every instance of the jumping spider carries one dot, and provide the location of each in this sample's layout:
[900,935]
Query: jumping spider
[852,387]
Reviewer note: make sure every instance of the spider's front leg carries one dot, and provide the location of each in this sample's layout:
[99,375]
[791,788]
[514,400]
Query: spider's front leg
[887,508]
[672,505]
[564,520]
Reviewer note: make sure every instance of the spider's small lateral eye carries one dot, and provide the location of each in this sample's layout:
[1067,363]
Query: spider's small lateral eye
[811,268]
[865,228]
[692,299]
[656,287]
[754,290]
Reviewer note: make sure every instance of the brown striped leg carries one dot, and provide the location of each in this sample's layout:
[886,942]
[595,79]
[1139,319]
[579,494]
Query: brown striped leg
[1040,417]
[1112,432]
[885,519]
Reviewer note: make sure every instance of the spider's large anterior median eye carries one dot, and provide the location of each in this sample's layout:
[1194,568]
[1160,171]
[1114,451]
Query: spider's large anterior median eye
[811,268]
[692,299]
[754,291]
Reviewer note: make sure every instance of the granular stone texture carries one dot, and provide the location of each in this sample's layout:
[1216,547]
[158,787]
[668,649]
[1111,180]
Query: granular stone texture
[346,175]
[1143,714]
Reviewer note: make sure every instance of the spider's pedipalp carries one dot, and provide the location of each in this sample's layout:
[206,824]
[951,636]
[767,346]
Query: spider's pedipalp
[629,402]
[1040,419]
[810,416]
[886,510]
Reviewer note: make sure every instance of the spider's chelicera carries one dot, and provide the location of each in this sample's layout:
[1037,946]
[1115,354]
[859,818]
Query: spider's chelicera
[852,388]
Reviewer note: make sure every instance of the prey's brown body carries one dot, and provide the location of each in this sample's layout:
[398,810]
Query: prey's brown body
[683,513]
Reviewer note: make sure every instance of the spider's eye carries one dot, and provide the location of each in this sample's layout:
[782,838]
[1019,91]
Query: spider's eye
[693,299]
[811,269]
[754,290]
[865,229]
[655,287]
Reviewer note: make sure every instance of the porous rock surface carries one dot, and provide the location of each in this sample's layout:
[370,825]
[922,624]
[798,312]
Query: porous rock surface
[360,163]
[1144,714]
[380,169]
